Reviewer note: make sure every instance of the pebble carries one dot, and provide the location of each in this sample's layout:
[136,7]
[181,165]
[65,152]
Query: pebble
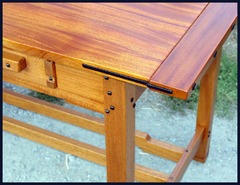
[71,158]
[32,170]
[58,156]
[66,179]
[47,158]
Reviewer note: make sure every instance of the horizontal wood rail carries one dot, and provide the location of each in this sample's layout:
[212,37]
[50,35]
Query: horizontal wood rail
[182,156]
[74,147]
[54,111]
[142,139]
[160,148]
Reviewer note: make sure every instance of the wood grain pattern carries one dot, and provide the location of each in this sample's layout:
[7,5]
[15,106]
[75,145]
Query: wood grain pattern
[187,156]
[169,45]
[34,71]
[128,38]
[32,51]
[54,140]
[77,86]
[142,139]
[157,147]
[80,82]
[119,130]
[50,71]
[207,97]
[54,111]
[73,147]
[192,56]
[13,62]
[67,96]
[142,175]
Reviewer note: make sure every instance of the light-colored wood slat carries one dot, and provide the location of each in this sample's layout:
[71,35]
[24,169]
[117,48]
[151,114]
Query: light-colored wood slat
[206,103]
[72,84]
[119,130]
[142,175]
[67,96]
[73,147]
[73,67]
[127,38]
[80,82]
[13,62]
[54,140]
[188,155]
[34,71]
[157,147]
[142,139]
[54,111]
[68,63]
[192,56]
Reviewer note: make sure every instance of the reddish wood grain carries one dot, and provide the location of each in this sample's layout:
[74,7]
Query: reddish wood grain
[129,38]
[190,59]
[207,98]
[187,156]
[119,130]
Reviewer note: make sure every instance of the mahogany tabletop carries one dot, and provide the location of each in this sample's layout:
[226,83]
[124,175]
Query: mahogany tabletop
[165,46]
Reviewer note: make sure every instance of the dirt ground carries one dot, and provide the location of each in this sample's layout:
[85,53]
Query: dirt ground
[26,161]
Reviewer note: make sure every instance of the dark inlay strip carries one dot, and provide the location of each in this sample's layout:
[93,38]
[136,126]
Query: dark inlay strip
[128,78]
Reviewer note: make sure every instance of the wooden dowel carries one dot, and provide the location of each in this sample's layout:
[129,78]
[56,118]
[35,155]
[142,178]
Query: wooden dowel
[142,139]
[188,155]
[73,147]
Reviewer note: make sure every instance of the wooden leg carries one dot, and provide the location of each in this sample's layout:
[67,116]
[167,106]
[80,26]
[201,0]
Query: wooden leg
[206,104]
[187,156]
[120,130]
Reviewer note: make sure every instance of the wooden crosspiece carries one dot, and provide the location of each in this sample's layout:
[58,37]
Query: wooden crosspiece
[102,56]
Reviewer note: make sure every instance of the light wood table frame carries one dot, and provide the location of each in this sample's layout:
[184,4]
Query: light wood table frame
[111,83]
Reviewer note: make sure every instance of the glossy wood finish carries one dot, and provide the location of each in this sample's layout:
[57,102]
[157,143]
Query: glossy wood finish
[50,71]
[142,175]
[54,111]
[119,130]
[87,151]
[88,86]
[13,62]
[74,147]
[169,45]
[132,39]
[207,96]
[142,139]
[69,80]
[34,72]
[160,148]
[96,154]
[190,59]
[54,140]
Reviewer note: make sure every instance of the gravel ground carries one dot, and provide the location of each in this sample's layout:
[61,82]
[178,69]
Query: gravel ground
[26,161]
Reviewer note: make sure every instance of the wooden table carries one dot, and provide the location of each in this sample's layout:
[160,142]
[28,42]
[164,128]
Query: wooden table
[102,56]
